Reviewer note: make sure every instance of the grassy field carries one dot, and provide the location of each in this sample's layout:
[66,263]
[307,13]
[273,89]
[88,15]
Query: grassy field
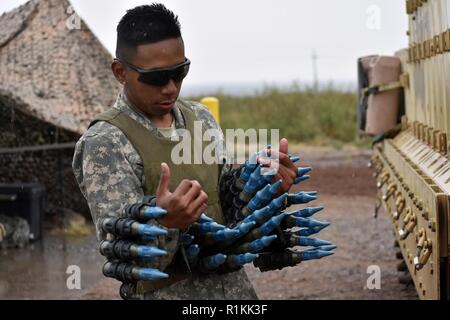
[326,117]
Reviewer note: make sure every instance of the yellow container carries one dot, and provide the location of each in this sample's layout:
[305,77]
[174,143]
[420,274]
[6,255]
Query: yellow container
[213,106]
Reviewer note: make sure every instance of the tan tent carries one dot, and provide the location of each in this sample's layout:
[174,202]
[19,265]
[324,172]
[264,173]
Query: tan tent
[58,72]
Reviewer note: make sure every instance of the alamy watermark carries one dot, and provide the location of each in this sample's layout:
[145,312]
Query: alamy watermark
[374,280]
[74,20]
[373,21]
[212,147]
[73,281]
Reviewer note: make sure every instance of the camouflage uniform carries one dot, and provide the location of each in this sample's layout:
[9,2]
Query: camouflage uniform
[110,174]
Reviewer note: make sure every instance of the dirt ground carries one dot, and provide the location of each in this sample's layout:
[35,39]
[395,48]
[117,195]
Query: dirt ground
[347,190]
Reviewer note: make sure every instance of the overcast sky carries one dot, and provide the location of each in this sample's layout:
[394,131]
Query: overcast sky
[271,41]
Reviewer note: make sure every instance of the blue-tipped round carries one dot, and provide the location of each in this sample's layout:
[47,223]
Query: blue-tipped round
[306,232]
[302,171]
[214,226]
[154,212]
[310,223]
[315,254]
[209,226]
[318,229]
[148,274]
[260,216]
[263,196]
[253,183]
[187,239]
[256,215]
[149,253]
[192,251]
[204,218]
[301,179]
[263,214]
[270,225]
[310,231]
[213,262]
[149,231]
[274,188]
[226,234]
[266,177]
[294,159]
[300,198]
[325,247]
[245,227]
[249,166]
[277,203]
[245,258]
[260,244]
[307,212]
[311,242]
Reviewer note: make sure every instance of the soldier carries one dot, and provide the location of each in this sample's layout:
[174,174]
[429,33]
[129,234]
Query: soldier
[125,158]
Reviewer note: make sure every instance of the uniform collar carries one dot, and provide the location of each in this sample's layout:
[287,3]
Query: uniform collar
[124,105]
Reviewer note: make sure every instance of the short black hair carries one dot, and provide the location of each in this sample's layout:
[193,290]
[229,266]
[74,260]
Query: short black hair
[143,25]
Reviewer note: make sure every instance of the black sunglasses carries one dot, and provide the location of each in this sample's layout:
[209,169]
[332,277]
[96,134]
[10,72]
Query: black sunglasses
[160,76]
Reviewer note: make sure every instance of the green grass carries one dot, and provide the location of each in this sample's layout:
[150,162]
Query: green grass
[326,117]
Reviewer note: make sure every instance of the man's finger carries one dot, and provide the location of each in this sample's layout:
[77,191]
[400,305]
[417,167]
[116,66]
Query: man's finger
[198,203]
[200,210]
[284,146]
[288,177]
[282,158]
[183,188]
[194,191]
[164,180]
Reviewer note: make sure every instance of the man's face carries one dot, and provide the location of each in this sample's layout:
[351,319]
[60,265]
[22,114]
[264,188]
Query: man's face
[154,101]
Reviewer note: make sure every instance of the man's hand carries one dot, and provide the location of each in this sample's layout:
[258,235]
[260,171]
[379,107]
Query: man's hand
[184,206]
[286,169]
